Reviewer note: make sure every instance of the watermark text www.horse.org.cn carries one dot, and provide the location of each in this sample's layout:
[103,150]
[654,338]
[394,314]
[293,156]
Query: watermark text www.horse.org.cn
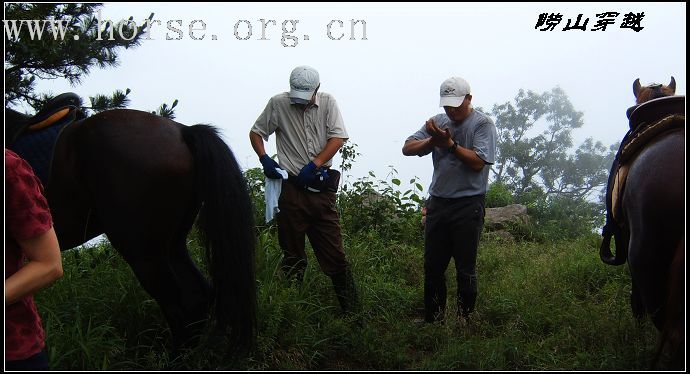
[242,29]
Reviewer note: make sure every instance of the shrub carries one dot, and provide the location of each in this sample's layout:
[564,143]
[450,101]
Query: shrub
[498,195]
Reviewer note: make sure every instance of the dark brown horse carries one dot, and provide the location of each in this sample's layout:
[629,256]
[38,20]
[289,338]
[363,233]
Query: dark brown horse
[142,179]
[652,220]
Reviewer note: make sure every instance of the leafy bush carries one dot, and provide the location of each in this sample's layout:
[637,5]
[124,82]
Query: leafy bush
[369,205]
[256,184]
[561,217]
[498,195]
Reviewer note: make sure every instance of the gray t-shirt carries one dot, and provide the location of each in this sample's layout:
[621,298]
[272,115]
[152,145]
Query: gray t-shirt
[300,135]
[452,178]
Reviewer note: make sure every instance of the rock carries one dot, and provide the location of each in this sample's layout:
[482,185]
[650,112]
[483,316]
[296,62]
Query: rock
[500,218]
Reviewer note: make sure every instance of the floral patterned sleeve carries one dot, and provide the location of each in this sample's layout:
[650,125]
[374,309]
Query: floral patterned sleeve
[26,209]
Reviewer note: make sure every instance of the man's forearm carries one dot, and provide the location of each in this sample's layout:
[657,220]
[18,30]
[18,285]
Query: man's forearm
[417,147]
[469,157]
[257,143]
[331,148]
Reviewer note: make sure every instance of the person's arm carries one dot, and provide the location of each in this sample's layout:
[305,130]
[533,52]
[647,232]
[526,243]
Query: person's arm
[328,151]
[483,148]
[335,132]
[43,268]
[421,143]
[257,143]
[468,157]
[414,147]
[264,126]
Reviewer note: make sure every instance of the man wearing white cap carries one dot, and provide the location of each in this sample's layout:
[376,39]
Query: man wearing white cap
[309,131]
[463,146]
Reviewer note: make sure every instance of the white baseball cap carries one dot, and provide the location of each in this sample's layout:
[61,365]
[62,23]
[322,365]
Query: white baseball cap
[453,91]
[304,80]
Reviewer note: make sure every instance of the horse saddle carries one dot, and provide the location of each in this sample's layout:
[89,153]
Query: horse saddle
[53,111]
[649,111]
[33,138]
[647,121]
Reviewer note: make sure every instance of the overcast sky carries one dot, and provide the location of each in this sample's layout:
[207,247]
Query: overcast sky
[388,85]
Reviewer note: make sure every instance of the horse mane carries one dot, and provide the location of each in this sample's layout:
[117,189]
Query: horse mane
[653,91]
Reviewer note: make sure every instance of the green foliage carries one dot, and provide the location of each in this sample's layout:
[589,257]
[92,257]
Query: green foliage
[70,46]
[552,217]
[348,153]
[118,99]
[520,157]
[166,111]
[561,188]
[380,206]
[561,217]
[256,182]
[550,306]
[545,161]
[498,195]
[579,174]
[97,315]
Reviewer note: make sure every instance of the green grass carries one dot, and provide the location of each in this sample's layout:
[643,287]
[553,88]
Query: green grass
[541,306]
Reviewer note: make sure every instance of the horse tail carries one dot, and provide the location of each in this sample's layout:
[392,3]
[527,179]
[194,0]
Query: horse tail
[225,225]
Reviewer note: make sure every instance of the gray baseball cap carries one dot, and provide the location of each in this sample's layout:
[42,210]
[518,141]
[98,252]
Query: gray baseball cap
[304,80]
[453,91]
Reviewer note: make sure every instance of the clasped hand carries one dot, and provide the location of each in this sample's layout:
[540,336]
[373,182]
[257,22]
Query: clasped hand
[439,138]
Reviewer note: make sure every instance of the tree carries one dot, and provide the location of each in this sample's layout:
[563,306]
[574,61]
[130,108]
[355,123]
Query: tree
[543,172]
[542,162]
[581,174]
[52,41]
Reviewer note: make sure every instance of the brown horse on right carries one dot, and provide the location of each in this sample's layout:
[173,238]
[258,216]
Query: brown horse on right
[649,228]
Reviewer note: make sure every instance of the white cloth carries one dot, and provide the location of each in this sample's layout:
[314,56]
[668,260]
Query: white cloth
[273,188]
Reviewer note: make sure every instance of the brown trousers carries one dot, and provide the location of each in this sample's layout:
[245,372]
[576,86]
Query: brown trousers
[314,214]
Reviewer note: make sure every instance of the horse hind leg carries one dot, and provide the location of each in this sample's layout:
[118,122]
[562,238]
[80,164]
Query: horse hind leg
[194,295]
[636,304]
[153,243]
[671,349]
[179,289]
[649,277]
[192,305]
